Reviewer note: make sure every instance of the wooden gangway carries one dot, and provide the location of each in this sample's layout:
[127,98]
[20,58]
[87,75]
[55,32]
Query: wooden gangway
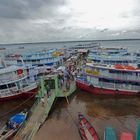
[40,111]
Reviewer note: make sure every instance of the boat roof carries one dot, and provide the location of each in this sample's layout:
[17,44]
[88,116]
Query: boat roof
[112,67]
[82,50]
[111,57]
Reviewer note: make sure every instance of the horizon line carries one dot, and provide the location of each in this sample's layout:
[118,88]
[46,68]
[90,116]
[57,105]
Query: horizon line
[90,40]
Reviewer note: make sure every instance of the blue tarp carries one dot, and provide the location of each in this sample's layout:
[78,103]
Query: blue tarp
[18,118]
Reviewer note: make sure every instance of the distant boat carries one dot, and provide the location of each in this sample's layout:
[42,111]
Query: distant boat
[109,79]
[15,82]
[2,48]
[13,125]
[110,134]
[86,130]
[126,136]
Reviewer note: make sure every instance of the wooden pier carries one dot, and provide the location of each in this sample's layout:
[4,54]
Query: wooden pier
[41,109]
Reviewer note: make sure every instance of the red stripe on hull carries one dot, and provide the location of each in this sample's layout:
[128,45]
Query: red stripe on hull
[98,90]
[20,95]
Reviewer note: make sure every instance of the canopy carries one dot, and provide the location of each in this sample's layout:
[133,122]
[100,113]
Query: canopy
[55,54]
[18,118]
[118,66]
[130,68]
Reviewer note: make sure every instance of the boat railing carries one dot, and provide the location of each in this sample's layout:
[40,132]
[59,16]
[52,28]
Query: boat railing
[41,58]
[38,62]
[118,76]
[122,76]
[29,87]
[14,90]
[8,79]
[118,86]
[126,77]
[9,91]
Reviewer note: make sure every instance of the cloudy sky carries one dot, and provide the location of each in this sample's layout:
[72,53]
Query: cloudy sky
[62,20]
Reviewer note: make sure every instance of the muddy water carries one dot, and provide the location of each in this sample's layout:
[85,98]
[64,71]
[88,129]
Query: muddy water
[120,112]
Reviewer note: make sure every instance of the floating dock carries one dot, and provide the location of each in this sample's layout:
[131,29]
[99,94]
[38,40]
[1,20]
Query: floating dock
[40,109]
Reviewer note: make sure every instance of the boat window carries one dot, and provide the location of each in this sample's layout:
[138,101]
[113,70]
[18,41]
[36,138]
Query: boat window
[118,81]
[11,85]
[3,87]
[33,60]
[40,65]
[19,60]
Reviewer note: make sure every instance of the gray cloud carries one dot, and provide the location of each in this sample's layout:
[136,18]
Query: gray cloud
[25,8]
[51,20]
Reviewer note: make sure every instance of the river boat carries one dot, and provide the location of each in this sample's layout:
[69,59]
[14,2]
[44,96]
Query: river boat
[3,48]
[86,130]
[43,58]
[39,59]
[16,82]
[92,45]
[109,50]
[111,59]
[126,136]
[13,125]
[110,79]
[112,56]
[43,61]
[110,134]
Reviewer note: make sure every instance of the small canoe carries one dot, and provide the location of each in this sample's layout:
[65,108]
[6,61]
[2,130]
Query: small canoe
[138,132]
[86,130]
[110,134]
[13,125]
[126,136]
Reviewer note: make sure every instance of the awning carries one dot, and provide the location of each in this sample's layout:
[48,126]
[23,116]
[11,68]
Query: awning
[118,66]
[130,67]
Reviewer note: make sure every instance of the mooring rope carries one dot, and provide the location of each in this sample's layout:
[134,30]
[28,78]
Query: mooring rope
[3,115]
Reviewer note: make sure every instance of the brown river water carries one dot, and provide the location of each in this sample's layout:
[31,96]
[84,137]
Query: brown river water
[120,112]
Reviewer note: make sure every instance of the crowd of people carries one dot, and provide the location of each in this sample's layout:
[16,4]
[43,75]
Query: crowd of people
[68,75]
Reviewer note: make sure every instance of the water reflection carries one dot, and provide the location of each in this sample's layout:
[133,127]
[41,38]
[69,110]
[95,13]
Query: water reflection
[120,112]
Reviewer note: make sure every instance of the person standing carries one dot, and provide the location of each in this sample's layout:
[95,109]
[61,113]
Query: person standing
[43,101]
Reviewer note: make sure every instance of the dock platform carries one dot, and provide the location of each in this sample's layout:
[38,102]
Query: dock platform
[40,110]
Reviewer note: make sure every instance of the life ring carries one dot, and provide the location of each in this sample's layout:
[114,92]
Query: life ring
[20,71]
